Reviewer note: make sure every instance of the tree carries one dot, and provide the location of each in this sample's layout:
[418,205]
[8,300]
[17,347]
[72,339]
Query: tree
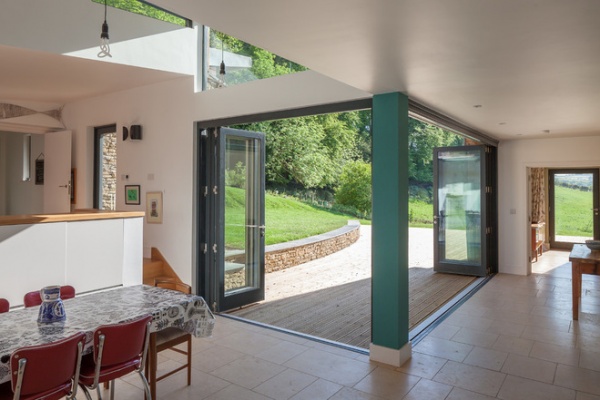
[355,186]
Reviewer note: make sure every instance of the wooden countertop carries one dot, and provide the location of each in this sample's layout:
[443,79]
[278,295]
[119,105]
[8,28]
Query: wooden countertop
[77,215]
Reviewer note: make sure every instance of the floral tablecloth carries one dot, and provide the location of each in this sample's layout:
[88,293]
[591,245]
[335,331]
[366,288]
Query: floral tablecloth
[85,313]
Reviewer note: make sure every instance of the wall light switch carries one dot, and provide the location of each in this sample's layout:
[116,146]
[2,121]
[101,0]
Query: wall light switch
[150,177]
[513,210]
[124,177]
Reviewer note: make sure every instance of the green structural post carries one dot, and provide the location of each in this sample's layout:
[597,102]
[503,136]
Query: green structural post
[390,229]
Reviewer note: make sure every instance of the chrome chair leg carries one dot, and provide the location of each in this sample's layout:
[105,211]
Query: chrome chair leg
[112,389]
[85,391]
[146,386]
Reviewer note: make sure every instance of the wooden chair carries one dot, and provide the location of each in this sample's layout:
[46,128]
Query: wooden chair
[118,350]
[33,299]
[167,339]
[4,305]
[48,371]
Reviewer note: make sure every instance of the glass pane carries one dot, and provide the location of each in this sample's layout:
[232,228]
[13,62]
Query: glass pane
[108,173]
[459,198]
[242,215]
[573,207]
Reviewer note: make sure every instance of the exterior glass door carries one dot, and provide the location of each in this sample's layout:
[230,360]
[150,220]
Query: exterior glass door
[233,231]
[573,206]
[460,210]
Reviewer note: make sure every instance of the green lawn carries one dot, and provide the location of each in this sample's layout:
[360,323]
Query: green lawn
[289,219]
[573,214]
[286,219]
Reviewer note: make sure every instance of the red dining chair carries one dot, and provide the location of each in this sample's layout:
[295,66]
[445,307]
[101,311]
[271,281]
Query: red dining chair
[4,305]
[33,299]
[48,371]
[118,350]
[167,339]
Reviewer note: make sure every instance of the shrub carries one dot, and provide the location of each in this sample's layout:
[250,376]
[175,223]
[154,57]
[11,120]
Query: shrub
[355,186]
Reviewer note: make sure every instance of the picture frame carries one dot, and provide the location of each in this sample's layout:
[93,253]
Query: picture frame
[154,208]
[132,194]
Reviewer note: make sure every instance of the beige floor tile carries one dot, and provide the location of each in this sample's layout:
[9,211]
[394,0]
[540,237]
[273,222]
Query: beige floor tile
[215,357]
[443,349]
[516,388]
[531,368]
[580,379]
[560,338]
[248,371]
[430,390]
[282,352]
[471,378]
[586,396]
[514,345]
[558,354]
[461,394]
[469,321]
[423,365]
[319,389]
[285,385]
[249,342]
[203,385]
[332,367]
[475,338]
[444,331]
[347,393]
[590,360]
[387,383]
[486,358]
[233,392]
[506,329]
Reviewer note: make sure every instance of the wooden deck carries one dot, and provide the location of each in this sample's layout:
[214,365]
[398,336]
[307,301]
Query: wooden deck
[343,313]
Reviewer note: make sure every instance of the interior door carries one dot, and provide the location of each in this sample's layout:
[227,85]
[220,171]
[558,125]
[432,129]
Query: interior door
[572,207]
[463,221]
[232,179]
[57,172]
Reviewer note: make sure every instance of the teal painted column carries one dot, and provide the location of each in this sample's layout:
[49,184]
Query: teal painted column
[390,229]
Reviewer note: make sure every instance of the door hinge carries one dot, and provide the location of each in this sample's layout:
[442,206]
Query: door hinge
[214,248]
[488,230]
[203,133]
[205,191]
[204,248]
[215,190]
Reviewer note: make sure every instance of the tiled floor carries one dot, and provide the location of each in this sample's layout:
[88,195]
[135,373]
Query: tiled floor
[514,339]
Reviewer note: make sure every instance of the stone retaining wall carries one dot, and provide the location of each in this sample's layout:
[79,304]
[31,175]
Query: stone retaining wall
[284,255]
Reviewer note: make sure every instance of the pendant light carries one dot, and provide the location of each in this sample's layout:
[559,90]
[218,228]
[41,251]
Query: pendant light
[222,67]
[104,43]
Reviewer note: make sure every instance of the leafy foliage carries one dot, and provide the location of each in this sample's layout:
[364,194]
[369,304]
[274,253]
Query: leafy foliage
[355,186]
[141,8]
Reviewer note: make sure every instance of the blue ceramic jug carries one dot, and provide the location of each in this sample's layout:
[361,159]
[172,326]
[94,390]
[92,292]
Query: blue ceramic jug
[52,308]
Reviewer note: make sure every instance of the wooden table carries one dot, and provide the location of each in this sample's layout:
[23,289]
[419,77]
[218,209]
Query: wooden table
[583,261]
[19,328]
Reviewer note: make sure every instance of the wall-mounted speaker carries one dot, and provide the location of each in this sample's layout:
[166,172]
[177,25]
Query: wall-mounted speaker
[135,132]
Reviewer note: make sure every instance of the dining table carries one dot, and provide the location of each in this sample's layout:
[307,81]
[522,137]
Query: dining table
[86,312]
[583,261]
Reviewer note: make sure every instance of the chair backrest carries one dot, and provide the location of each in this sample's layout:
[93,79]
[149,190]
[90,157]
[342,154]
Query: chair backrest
[67,292]
[32,299]
[48,371]
[4,305]
[122,342]
[174,285]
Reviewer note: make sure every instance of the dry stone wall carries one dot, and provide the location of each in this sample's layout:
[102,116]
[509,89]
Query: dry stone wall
[284,255]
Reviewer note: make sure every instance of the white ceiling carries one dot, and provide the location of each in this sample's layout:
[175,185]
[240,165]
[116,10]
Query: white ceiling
[532,65]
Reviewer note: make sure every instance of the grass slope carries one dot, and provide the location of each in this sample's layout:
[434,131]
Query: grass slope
[286,219]
[573,214]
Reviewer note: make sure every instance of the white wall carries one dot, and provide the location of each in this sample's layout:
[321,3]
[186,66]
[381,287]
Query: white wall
[21,197]
[514,157]
[164,159]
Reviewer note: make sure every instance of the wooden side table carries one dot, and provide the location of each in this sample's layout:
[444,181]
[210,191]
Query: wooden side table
[583,261]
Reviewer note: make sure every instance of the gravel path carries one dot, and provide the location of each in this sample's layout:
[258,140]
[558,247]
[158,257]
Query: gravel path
[348,265]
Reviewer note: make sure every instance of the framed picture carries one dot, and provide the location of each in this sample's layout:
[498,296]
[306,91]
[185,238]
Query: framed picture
[132,194]
[154,207]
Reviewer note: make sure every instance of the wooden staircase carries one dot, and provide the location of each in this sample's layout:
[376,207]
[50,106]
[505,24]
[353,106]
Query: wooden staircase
[157,267]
